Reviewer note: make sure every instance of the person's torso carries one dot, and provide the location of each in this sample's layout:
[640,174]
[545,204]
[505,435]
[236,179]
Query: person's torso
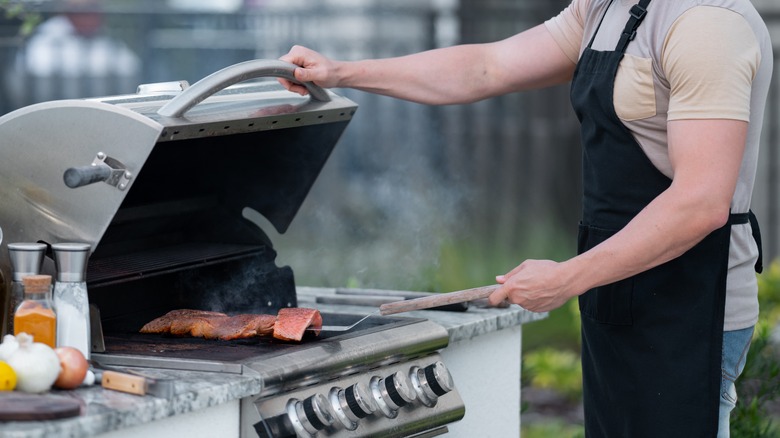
[644,97]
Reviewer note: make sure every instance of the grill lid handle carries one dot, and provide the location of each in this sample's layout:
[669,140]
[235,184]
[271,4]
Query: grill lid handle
[240,72]
[103,168]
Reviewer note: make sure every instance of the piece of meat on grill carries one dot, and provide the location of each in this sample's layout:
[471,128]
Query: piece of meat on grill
[196,326]
[237,327]
[162,325]
[292,322]
[211,325]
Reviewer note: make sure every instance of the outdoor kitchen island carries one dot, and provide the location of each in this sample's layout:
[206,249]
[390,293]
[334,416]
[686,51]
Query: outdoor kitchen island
[172,216]
[483,357]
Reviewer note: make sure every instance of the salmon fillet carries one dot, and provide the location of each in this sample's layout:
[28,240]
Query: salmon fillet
[162,325]
[196,326]
[241,327]
[211,325]
[292,322]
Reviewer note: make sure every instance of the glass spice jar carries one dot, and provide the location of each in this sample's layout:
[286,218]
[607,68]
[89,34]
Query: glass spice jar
[35,314]
[26,259]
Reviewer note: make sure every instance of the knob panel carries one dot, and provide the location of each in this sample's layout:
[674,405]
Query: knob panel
[403,394]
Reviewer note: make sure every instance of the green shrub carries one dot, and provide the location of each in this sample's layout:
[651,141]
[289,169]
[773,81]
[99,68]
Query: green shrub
[759,383]
[557,429]
[554,369]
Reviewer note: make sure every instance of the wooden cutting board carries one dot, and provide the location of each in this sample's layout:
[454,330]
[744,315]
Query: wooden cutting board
[17,406]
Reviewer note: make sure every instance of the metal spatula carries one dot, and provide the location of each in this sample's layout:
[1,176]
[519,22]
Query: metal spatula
[341,328]
[417,304]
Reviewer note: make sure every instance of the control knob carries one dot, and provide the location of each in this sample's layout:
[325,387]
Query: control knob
[392,393]
[431,382]
[310,415]
[352,404]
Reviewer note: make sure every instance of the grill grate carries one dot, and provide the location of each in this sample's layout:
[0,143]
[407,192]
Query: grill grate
[121,268]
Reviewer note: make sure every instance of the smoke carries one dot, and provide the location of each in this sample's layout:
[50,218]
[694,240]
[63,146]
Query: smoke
[381,209]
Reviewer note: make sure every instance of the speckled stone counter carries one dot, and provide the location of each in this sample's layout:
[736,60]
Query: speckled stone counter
[104,410]
[207,404]
[477,321]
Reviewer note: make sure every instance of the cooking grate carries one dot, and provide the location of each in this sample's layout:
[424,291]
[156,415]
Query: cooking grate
[188,353]
[121,268]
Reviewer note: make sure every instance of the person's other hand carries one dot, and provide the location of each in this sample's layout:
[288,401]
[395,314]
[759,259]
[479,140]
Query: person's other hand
[313,67]
[535,285]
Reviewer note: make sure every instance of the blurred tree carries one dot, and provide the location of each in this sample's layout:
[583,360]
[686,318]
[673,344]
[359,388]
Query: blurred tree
[21,14]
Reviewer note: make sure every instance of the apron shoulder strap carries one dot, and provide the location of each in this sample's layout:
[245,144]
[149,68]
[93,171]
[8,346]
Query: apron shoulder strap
[638,13]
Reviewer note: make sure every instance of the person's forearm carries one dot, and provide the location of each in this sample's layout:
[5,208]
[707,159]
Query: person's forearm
[668,227]
[442,76]
[466,73]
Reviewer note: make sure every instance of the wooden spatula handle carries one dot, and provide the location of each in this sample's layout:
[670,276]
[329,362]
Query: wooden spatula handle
[124,382]
[437,300]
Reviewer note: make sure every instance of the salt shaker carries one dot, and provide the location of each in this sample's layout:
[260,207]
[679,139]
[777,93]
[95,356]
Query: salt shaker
[26,259]
[70,296]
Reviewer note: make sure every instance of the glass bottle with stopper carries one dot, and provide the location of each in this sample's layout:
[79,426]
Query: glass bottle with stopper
[26,259]
[35,314]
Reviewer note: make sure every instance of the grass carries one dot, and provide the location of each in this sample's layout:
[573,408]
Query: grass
[552,429]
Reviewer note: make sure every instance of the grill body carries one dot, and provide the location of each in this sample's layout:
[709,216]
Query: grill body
[164,185]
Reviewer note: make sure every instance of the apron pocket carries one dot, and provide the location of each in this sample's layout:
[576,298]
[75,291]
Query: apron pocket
[611,303]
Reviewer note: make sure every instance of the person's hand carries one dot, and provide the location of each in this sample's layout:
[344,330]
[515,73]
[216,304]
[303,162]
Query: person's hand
[313,67]
[535,285]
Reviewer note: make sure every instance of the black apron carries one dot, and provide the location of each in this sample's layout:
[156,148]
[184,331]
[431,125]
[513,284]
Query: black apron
[651,344]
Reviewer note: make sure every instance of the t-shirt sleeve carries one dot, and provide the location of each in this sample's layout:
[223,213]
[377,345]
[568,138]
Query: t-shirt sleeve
[568,27]
[710,58]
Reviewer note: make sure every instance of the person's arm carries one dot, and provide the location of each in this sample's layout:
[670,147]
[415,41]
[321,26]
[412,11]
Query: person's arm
[459,74]
[706,156]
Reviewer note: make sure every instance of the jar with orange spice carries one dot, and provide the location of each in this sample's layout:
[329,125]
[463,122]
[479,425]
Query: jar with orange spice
[35,314]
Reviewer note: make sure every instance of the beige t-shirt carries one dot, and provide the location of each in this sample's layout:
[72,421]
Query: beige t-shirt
[691,59]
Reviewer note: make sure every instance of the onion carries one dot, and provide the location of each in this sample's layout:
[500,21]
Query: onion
[73,366]
[36,365]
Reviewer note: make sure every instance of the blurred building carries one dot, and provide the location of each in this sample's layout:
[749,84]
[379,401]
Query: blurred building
[70,55]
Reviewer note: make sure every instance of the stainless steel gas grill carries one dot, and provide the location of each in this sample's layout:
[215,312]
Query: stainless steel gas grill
[165,185]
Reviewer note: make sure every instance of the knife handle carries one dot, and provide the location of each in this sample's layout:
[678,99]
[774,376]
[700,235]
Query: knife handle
[438,300]
[124,382]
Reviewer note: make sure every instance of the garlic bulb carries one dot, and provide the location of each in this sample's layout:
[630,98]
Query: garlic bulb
[8,347]
[36,365]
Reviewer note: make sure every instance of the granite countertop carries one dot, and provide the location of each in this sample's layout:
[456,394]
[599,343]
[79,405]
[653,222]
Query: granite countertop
[478,320]
[106,410]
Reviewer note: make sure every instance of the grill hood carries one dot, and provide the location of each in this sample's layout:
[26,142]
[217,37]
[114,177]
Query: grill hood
[170,164]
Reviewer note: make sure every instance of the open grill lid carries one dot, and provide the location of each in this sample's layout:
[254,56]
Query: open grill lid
[126,172]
